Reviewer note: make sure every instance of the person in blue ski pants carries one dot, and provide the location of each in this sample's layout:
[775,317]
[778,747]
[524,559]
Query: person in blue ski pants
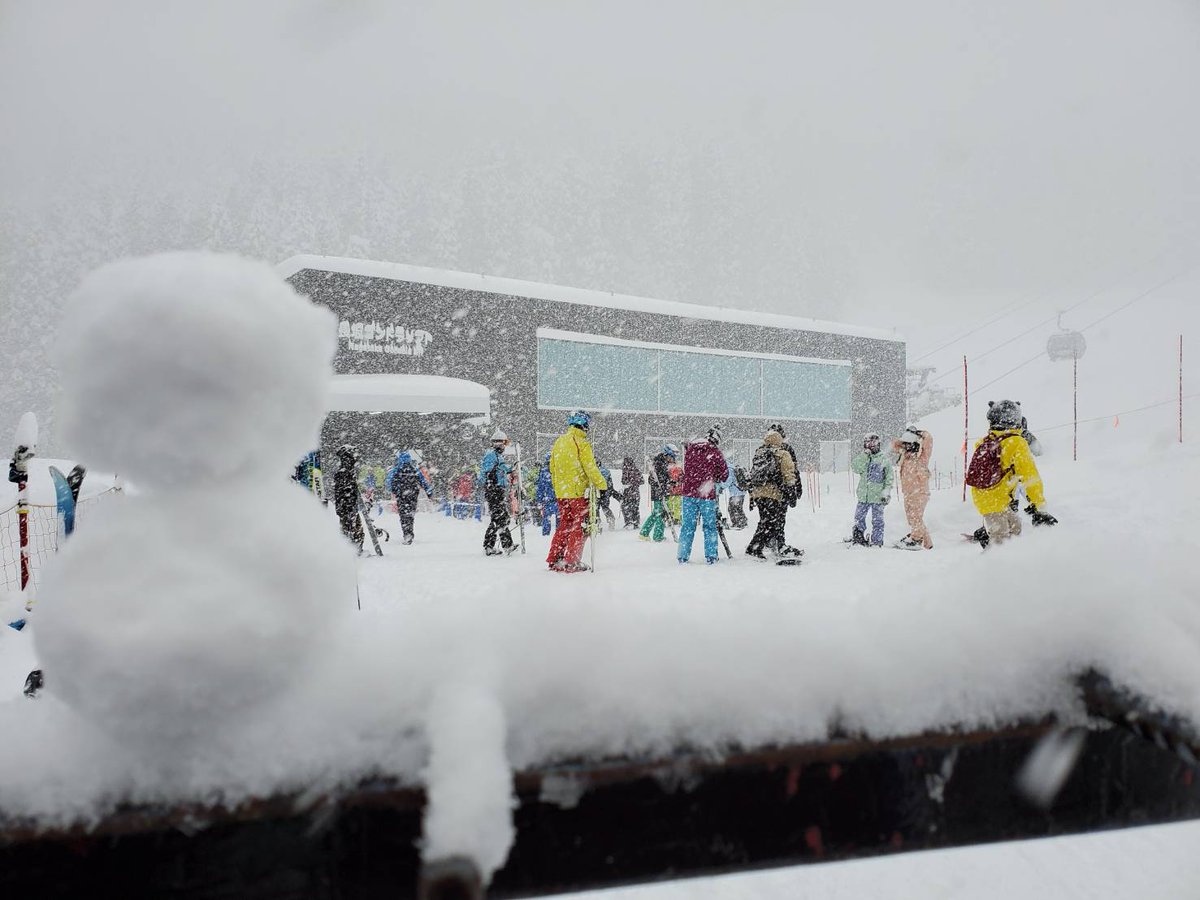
[703,469]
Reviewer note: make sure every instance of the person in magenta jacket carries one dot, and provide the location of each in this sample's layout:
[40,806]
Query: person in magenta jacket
[704,468]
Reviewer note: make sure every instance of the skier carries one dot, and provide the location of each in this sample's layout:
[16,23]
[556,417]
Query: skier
[875,478]
[1002,461]
[606,496]
[771,481]
[572,470]
[493,479]
[915,447]
[544,497]
[345,495]
[631,493]
[675,490]
[735,486]
[660,481]
[406,479]
[703,469]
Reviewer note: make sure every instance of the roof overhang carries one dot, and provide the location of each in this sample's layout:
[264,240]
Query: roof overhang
[408,393]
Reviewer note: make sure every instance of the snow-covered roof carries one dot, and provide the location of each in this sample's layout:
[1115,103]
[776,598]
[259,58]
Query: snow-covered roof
[407,393]
[513,287]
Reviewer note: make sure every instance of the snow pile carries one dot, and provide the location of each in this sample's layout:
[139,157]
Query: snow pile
[178,612]
[468,779]
[192,367]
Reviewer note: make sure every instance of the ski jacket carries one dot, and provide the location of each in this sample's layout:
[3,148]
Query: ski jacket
[545,486]
[787,471]
[703,469]
[661,481]
[731,486]
[675,476]
[573,465]
[493,471]
[1016,460]
[875,476]
[345,493]
[405,478]
[631,478]
[914,466]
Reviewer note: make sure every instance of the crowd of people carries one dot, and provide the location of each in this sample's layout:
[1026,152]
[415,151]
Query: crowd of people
[570,489]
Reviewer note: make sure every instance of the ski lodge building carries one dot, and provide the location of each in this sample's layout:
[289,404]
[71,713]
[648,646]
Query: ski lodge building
[649,371]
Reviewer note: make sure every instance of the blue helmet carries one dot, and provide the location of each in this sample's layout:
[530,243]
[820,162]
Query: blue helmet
[580,418]
[671,450]
[546,459]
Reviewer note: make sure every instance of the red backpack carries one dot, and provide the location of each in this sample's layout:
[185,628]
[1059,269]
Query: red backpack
[986,470]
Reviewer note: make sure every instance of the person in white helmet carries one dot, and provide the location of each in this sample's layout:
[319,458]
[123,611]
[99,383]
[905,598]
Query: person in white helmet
[493,479]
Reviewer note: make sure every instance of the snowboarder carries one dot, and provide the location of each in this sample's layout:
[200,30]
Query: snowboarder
[875,478]
[703,469]
[735,487]
[915,448]
[660,481]
[406,479]
[572,470]
[345,495]
[772,481]
[545,499]
[631,493]
[791,493]
[1001,463]
[493,479]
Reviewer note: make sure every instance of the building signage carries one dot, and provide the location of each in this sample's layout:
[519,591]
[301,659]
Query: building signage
[372,337]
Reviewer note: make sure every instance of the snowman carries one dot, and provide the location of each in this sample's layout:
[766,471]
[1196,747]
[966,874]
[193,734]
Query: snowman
[183,609]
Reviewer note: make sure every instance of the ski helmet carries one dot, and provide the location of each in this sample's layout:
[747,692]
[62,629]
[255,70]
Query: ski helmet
[870,438]
[910,437]
[579,418]
[671,450]
[347,451]
[775,426]
[714,434]
[499,437]
[1004,413]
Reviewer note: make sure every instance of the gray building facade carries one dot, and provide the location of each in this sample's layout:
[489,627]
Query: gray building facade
[649,371]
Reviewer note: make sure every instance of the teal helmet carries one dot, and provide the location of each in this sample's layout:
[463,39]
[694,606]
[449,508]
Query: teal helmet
[580,418]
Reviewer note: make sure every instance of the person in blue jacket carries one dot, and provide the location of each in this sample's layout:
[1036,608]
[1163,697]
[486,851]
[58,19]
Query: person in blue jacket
[493,480]
[544,497]
[737,494]
[406,479]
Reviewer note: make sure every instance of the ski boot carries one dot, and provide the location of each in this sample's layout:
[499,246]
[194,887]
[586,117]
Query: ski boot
[858,539]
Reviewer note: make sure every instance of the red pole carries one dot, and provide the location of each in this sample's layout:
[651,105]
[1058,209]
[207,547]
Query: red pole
[1075,407]
[23,527]
[966,428]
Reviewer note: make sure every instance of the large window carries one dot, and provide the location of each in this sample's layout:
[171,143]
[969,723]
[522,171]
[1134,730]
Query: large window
[592,372]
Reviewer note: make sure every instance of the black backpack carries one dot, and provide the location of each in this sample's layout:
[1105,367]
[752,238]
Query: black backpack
[764,468]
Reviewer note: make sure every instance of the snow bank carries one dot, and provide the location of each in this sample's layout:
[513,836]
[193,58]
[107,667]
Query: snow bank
[192,367]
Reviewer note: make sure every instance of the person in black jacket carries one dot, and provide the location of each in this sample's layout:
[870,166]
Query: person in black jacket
[631,493]
[660,485]
[406,479]
[345,495]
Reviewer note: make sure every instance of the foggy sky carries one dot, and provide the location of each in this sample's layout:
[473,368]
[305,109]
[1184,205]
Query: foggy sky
[848,161]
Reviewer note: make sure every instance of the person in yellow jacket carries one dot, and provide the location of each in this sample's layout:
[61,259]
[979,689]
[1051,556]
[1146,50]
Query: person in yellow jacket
[1002,460]
[572,470]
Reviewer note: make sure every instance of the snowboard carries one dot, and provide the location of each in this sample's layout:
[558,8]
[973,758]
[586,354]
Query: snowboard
[370,526]
[64,499]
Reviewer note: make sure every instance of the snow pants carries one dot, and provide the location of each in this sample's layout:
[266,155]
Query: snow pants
[630,506]
[675,507]
[914,512]
[497,520]
[567,544]
[772,516]
[1002,525]
[706,511]
[549,508]
[352,526]
[407,508]
[860,521]
[654,522]
[737,514]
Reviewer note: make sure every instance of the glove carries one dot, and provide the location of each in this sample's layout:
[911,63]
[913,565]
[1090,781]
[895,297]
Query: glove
[750,504]
[884,500]
[1014,505]
[1041,518]
[789,494]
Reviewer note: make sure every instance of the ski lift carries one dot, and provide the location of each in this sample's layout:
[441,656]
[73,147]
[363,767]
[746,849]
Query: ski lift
[1065,344]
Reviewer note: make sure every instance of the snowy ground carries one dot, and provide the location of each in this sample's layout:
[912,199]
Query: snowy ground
[522,666]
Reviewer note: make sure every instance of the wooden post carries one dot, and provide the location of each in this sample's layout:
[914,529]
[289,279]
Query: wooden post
[966,428]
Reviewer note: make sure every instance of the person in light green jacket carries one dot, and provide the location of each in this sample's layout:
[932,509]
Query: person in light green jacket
[875,477]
